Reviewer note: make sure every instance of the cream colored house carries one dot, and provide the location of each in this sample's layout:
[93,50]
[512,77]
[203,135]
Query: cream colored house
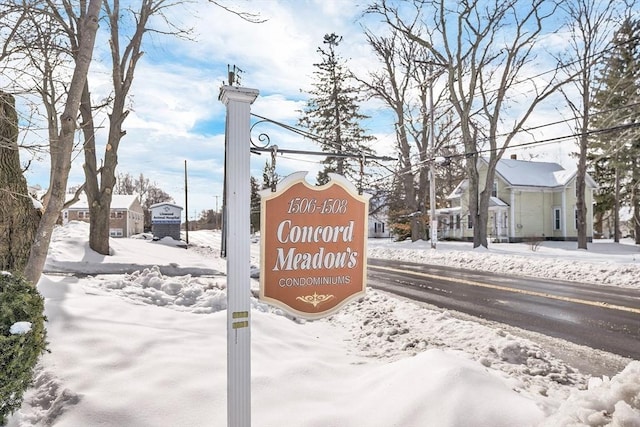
[530,200]
[126,217]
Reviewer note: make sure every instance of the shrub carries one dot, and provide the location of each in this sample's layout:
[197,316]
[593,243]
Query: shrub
[19,348]
[534,242]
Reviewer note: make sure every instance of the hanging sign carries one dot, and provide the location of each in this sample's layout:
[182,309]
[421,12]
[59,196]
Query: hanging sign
[313,245]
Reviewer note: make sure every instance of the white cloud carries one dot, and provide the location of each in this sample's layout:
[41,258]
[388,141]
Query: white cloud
[175,111]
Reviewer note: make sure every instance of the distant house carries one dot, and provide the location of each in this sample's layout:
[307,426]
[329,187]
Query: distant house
[379,226]
[528,200]
[126,218]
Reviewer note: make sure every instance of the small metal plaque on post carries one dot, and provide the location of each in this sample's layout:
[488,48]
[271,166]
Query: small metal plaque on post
[313,245]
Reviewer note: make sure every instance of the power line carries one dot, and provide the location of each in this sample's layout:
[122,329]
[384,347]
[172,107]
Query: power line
[344,154]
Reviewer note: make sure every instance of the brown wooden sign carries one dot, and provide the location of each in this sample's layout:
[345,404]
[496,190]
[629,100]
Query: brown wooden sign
[313,245]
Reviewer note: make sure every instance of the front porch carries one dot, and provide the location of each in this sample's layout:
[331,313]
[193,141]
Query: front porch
[453,224]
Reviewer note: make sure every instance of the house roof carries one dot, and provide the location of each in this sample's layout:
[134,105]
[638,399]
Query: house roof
[459,190]
[118,201]
[523,173]
[534,174]
[496,202]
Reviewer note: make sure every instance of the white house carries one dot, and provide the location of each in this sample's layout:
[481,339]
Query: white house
[528,200]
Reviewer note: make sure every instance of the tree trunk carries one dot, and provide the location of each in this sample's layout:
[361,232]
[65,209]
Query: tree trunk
[62,148]
[99,235]
[616,208]
[405,169]
[482,218]
[597,224]
[18,217]
[123,66]
[582,173]
[635,200]
[636,221]
[98,221]
[478,210]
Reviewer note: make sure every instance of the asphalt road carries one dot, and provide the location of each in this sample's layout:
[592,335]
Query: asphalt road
[601,317]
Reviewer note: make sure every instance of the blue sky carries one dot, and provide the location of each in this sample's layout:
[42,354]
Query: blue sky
[175,112]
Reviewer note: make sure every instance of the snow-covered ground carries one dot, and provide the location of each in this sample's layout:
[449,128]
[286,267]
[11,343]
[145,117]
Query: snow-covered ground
[139,339]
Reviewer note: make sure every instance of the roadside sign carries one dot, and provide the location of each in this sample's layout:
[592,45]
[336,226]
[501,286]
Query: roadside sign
[313,245]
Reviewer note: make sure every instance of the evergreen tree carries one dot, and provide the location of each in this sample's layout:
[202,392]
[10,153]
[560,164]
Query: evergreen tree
[332,114]
[269,176]
[615,147]
[255,205]
[400,213]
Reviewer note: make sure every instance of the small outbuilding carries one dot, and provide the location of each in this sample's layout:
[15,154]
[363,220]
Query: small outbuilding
[165,220]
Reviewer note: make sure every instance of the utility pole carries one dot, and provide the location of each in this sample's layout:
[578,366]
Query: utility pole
[186,201]
[215,215]
[432,169]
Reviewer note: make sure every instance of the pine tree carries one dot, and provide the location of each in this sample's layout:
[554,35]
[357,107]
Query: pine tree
[255,205]
[332,114]
[269,176]
[399,211]
[616,142]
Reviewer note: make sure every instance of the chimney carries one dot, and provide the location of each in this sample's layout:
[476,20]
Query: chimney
[514,157]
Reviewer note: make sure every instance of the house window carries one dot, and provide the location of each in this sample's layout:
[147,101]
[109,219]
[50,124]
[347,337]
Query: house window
[378,227]
[115,232]
[469,222]
[458,222]
[494,190]
[557,219]
[116,215]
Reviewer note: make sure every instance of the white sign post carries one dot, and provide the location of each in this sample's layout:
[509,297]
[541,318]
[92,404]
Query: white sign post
[238,102]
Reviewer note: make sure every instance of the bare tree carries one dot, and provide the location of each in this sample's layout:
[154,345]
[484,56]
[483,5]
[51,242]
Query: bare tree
[590,26]
[48,33]
[125,184]
[84,20]
[484,49]
[18,220]
[148,193]
[37,48]
[402,83]
[100,182]
[391,85]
